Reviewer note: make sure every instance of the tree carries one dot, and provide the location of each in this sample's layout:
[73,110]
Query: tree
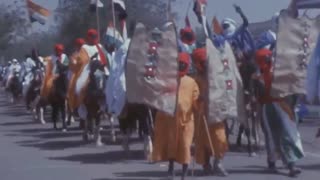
[74,18]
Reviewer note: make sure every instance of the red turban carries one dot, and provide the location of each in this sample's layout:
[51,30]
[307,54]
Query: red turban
[184,62]
[58,48]
[79,42]
[199,56]
[187,36]
[264,61]
[92,37]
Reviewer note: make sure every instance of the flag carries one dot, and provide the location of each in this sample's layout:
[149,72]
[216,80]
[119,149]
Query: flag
[187,21]
[198,8]
[94,4]
[217,29]
[113,36]
[120,8]
[307,4]
[37,13]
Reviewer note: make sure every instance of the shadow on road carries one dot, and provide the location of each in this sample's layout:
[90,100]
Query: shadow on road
[122,179]
[103,158]
[311,167]
[56,145]
[18,123]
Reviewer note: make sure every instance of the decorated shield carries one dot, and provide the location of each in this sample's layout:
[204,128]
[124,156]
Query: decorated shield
[296,40]
[224,83]
[152,68]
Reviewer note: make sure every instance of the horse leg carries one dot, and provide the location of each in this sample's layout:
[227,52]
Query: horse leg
[55,112]
[67,114]
[239,137]
[113,132]
[63,116]
[148,146]
[41,112]
[85,131]
[124,127]
[98,138]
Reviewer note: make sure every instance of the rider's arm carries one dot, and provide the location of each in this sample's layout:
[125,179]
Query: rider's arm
[244,18]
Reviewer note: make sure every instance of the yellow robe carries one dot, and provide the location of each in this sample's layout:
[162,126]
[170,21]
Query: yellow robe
[216,131]
[174,135]
[79,61]
[48,78]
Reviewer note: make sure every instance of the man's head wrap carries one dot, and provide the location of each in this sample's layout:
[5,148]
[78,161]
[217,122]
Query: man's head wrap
[184,62]
[199,56]
[79,42]
[229,27]
[92,37]
[58,48]
[187,36]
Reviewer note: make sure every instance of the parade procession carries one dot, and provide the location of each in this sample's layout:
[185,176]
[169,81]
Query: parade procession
[190,96]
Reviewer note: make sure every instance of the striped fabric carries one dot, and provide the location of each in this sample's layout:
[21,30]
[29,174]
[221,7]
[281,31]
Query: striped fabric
[37,13]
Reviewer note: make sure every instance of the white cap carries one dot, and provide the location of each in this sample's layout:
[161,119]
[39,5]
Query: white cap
[14,60]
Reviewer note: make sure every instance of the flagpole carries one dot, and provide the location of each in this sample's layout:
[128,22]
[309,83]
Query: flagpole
[189,5]
[30,24]
[114,21]
[169,10]
[98,20]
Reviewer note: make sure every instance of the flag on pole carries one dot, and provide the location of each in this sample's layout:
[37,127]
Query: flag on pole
[120,8]
[187,21]
[217,29]
[94,4]
[113,36]
[37,13]
[307,4]
[199,8]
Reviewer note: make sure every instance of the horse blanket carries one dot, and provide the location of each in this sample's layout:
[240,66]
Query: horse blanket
[224,83]
[152,69]
[296,40]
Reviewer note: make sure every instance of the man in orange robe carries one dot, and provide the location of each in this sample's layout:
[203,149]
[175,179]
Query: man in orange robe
[218,146]
[51,71]
[174,135]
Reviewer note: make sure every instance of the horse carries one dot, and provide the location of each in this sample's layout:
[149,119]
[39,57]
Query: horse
[91,107]
[15,86]
[145,116]
[57,97]
[32,97]
[251,125]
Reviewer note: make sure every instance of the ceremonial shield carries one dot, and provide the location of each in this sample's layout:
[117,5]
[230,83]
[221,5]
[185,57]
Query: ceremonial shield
[296,39]
[152,69]
[224,84]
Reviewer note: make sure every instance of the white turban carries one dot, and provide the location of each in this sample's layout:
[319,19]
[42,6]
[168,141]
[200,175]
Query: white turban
[232,27]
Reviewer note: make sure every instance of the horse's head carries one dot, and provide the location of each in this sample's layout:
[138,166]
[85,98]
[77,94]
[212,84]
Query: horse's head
[96,77]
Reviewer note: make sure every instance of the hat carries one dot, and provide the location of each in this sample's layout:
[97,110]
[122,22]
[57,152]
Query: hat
[199,56]
[187,36]
[184,62]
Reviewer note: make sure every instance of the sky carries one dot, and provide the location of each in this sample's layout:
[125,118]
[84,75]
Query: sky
[256,10]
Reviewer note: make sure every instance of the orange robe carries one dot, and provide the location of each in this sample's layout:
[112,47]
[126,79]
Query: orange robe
[79,61]
[216,131]
[48,78]
[174,135]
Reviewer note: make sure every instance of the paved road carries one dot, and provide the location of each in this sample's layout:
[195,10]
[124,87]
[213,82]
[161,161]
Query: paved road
[29,151]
